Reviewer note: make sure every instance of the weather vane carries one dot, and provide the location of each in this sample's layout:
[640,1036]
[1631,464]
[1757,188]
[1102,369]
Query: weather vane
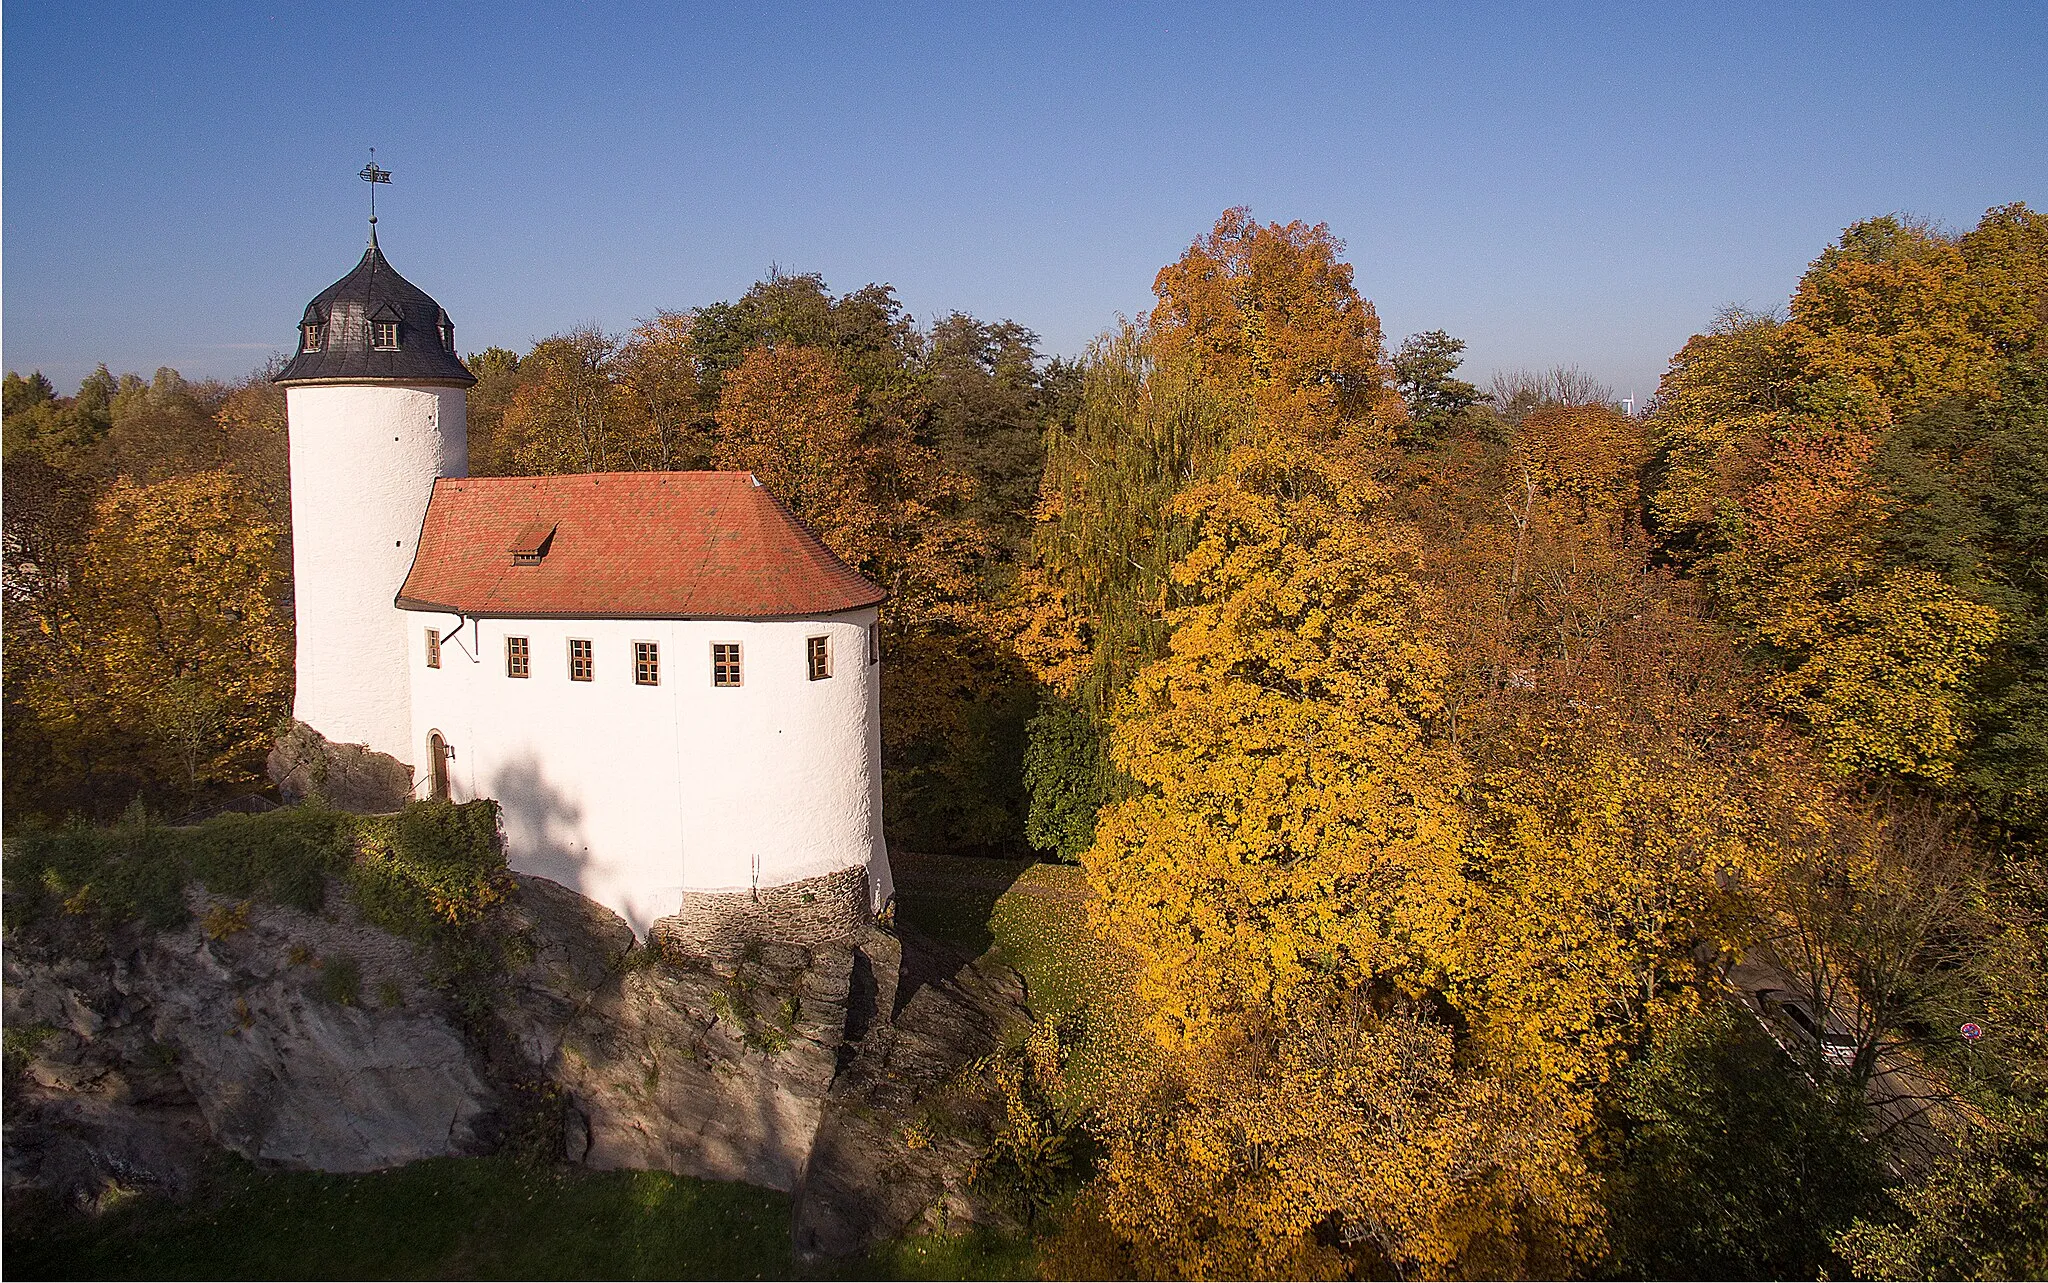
[373,175]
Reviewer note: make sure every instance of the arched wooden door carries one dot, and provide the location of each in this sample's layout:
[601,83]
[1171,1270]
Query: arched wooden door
[437,756]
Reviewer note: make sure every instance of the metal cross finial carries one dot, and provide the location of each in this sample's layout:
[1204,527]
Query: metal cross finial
[373,175]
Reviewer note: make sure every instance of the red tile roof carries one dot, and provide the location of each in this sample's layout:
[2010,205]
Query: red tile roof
[627,545]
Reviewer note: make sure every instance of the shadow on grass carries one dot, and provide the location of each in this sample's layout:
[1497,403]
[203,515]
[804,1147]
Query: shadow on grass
[461,1218]
[945,912]
[443,1218]
[952,898]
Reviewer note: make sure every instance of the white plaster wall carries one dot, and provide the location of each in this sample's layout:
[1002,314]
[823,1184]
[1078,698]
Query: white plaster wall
[364,459]
[630,794]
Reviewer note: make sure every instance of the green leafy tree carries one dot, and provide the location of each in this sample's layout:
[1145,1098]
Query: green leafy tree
[1069,777]
[1728,1163]
[1422,373]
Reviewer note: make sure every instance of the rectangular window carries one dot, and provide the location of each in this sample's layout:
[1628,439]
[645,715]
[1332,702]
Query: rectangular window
[818,651]
[433,648]
[518,657]
[646,664]
[384,335]
[725,663]
[874,644]
[581,665]
[312,343]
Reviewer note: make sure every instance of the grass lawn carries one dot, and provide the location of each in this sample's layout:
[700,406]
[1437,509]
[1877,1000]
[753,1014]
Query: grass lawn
[444,1218]
[1034,917]
[465,1218]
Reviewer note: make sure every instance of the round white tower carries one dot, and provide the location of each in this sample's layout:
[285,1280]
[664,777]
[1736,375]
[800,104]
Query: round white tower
[375,399]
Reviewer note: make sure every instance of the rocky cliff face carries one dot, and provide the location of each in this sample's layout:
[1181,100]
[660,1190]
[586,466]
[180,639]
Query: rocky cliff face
[301,1040]
[715,1065]
[312,1041]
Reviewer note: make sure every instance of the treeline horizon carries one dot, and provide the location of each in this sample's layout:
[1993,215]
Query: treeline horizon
[1432,754]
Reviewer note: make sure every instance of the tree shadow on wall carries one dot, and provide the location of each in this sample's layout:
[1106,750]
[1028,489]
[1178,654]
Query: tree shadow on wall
[543,824]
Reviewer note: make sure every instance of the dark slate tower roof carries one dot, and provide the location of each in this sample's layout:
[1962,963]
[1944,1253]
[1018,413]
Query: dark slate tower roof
[341,346]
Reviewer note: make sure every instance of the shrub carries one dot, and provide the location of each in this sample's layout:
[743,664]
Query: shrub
[1036,1150]
[224,920]
[137,870]
[1069,778]
[432,866]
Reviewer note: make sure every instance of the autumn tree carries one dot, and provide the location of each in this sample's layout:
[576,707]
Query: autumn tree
[657,365]
[568,415]
[171,658]
[122,501]
[1803,469]
[1884,320]
[491,452]
[1350,1146]
[787,416]
[1293,799]
[1257,329]
[1858,485]
[1269,312]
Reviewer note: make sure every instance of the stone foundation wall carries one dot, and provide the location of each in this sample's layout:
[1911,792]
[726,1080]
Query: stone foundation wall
[811,912]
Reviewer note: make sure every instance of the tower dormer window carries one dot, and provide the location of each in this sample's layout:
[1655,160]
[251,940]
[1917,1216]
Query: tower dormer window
[447,336]
[384,335]
[309,340]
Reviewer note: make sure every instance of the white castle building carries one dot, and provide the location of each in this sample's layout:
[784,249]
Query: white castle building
[670,686]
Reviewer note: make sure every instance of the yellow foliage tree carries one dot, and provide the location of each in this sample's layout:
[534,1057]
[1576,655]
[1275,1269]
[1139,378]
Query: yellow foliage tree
[1623,815]
[1888,314]
[1350,1146]
[173,634]
[1886,673]
[1727,390]
[1297,818]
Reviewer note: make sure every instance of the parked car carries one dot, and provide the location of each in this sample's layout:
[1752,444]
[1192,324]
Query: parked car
[1797,1016]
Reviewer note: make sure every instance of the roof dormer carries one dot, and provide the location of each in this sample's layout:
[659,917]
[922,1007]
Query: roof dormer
[531,544]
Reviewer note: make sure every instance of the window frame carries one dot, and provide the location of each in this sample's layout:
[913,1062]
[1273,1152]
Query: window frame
[433,648]
[720,664]
[311,338]
[646,663]
[378,329]
[818,657]
[518,657]
[588,658]
[874,644]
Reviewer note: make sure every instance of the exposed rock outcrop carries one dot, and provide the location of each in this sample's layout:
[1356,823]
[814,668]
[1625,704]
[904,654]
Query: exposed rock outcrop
[304,764]
[289,1038]
[875,1170]
[711,1066]
[314,1041]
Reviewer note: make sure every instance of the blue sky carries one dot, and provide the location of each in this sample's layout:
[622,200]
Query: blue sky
[1553,183]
